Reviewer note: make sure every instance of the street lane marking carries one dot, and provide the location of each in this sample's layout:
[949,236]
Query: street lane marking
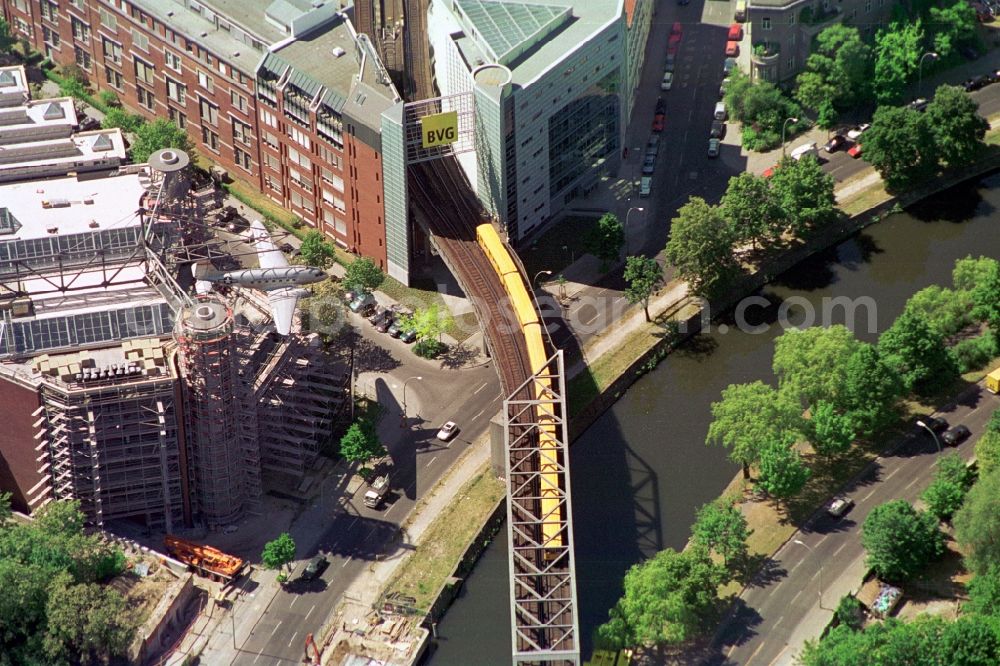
[259,655]
[276,627]
[310,611]
[780,618]
[870,493]
[430,461]
[754,654]
[349,558]
[292,639]
[795,597]
[294,599]
[779,654]
[479,413]
[485,384]
[892,474]
[842,546]
[911,483]
[797,563]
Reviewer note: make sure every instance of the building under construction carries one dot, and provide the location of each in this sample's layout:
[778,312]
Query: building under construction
[119,389]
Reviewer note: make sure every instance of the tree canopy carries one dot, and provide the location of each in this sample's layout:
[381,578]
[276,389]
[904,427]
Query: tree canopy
[969,272]
[900,541]
[900,144]
[917,354]
[946,492]
[830,432]
[362,273]
[838,71]
[7,40]
[988,452]
[986,296]
[750,208]
[721,527]
[605,240]
[157,135]
[316,250]
[984,591]
[781,471]
[953,26]
[897,54]
[701,248]
[748,416]
[955,123]
[977,523]
[643,275]
[870,390]
[946,312]
[361,443]
[804,193]
[278,552]
[811,364]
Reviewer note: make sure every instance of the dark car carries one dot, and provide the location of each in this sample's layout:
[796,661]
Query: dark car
[955,436]
[383,325]
[396,328]
[408,335]
[377,315]
[838,142]
[977,82]
[661,106]
[718,130]
[316,566]
[935,423]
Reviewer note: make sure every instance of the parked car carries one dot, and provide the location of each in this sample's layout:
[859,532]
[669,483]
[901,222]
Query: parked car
[805,149]
[645,186]
[677,28]
[674,39]
[671,61]
[720,111]
[855,151]
[378,314]
[408,335]
[661,106]
[653,145]
[838,142]
[315,567]
[732,48]
[648,165]
[89,123]
[855,132]
[396,328]
[723,86]
[287,248]
[919,104]
[735,32]
[447,431]
[718,130]
[838,507]
[658,122]
[668,81]
[713,147]
[955,436]
[977,82]
[728,66]
[383,325]
[363,304]
[935,423]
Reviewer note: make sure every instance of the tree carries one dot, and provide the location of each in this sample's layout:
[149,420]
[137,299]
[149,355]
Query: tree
[736,92]
[428,323]
[5,512]
[830,432]
[945,311]
[671,597]
[109,99]
[157,135]
[316,250]
[837,72]
[900,541]
[721,527]
[747,416]
[85,622]
[325,307]
[605,240]
[781,472]
[763,109]
[953,25]
[750,209]
[984,591]
[955,122]
[988,452]
[278,552]
[811,364]
[701,248]
[977,523]
[127,122]
[362,273]
[643,275]
[850,612]
[986,297]
[7,41]
[969,272]
[361,444]
[804,193]
[945,494]
[870,390]
[901,146]
[813,88]
[897,54]
[917,354]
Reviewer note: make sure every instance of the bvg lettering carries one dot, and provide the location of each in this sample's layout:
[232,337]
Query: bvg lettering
[440,135]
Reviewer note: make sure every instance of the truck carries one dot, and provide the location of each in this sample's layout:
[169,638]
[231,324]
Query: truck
[378,488]
[993,381]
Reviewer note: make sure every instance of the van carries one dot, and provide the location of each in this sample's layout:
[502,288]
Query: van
[741,11]
[720,111]
[993,381]
[805,149]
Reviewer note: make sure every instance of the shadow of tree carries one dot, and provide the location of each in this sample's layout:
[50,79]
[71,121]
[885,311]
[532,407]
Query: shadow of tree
[458,356]
[370,357]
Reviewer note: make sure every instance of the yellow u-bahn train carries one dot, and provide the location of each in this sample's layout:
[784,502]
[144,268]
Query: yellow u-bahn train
[552,533]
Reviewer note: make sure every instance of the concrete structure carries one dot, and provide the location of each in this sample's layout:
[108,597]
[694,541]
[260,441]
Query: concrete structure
[781,32]
[398,29]
[554,83]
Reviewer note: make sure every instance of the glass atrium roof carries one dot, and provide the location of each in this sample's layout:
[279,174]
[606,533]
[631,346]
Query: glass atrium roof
[507,29]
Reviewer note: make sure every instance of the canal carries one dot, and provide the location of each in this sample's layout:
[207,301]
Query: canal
[641,471]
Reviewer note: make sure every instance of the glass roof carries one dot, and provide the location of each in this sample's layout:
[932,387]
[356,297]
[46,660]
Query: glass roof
[507,29]
[8,223]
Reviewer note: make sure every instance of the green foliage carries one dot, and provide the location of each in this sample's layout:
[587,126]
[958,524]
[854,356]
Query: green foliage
[986,297]
[811,364]
[361,443]
[668,599]
[897,54]
[157,135]
[946,312]
[7,40]
[917,354]
[805,193]
[429,349]
[128,122]
[325,306]
[984,591]
[975,353]
[721,527]
[278,552]
[605,240]
[970,272]
[900,541]
[830,432]
[850,612]
[751,210]
[643,275]
[701,248]
[316,250]
[736,92]
[71,87]
[977,523]
[762,109]
[5,511]
[988,451]
[943,498]
[955,122]
[362,273]
[85,621]
[837,73]
[781,472]
[953,26]
[747,416]
[870,390]
[109,99]
[826,115]
[901,145]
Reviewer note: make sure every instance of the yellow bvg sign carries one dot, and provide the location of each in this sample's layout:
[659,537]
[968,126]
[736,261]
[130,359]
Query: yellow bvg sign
[439,129]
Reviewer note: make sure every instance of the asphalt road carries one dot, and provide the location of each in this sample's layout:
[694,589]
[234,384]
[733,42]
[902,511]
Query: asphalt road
[353,535]
[780,610]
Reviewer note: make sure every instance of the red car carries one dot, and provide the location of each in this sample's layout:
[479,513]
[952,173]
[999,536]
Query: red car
[677,29]
[672,49]
[732,49]
[855,151]
[658,122]
[735,32]
[675,38]
[770,171]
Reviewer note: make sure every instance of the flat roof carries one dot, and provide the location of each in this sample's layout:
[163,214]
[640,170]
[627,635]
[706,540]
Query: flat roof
[15,121]
[312,55]
[13,86]
[115,200]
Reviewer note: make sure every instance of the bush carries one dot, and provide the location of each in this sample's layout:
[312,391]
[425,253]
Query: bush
[109,99]
[849,612]
[975,353]
[428,348]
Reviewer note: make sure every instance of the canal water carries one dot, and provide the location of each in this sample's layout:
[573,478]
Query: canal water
[641,471]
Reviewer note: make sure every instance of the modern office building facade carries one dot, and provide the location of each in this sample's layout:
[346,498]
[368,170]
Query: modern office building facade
[549,127]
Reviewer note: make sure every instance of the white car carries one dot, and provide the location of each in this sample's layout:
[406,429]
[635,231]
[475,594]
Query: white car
[668,80]
[645,186]
[855,132]
[447,431]
[713,147]
[839,507]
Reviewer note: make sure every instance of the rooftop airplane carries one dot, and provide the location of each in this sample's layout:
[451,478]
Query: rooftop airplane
[274,277]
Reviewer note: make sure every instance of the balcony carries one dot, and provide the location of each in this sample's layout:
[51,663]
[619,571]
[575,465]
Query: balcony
[765,53]
[815,18]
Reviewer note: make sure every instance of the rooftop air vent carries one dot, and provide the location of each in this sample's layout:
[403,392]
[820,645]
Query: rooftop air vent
[53,230]
[236,54]
[93,224]
[204,34]
[170,13]
[337,52]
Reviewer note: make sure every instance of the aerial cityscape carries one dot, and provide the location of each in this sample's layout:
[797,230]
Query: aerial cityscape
[485,332]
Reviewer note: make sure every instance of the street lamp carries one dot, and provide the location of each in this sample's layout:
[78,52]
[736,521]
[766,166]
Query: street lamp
[783,126]
[920,69]
[402,421]
[819,570]
[535,279]
[629,212]
[933,434]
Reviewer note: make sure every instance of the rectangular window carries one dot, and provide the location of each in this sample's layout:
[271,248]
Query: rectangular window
[140,41]
[241,131]
[868,6]
[109,20]
[765,23]
[144,72]
[299,137]
[205,81]
[327,196]
[329,156]
[243,158]
[269,139]
[209,112]
[172,60]
[210,139]
[146,98]
[22,5]
[113,78]
[51,37]
[176,91]
[76,3]
[50,10]
[297,158]
[301,201]
[82,57]
[338,203]
[272,183]
[22,26]
[179,118]
[239,101]
[81,31]
[268,118]
[112,51]
[791,18]
[298,178]
[272,162]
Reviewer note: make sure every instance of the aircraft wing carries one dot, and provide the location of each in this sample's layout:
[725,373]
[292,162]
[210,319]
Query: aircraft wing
[282,302]
[268,256]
